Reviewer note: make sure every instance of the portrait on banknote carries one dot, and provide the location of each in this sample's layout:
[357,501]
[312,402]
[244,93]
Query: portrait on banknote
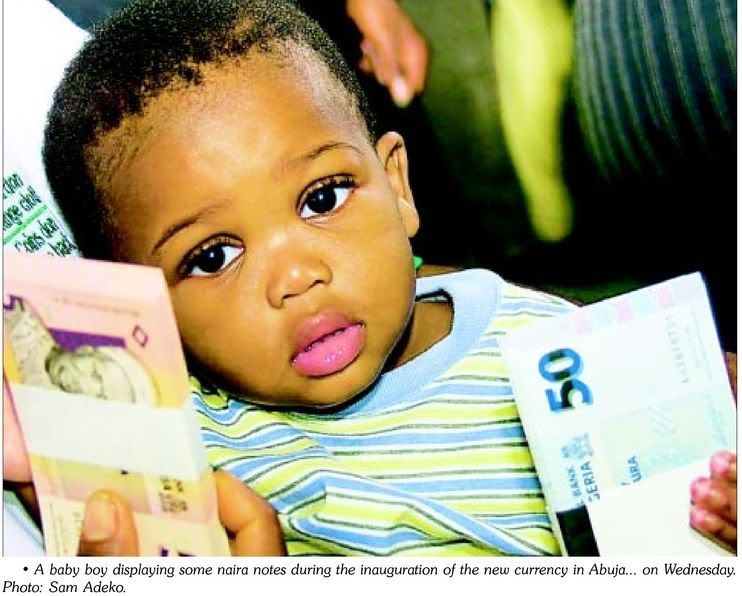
[95,365]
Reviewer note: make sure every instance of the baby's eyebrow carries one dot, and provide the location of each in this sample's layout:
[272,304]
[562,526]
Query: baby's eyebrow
[182,224]
[291,164]
[314,153]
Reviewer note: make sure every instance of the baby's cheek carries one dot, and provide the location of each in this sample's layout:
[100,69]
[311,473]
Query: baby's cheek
[205,324]
[245,360]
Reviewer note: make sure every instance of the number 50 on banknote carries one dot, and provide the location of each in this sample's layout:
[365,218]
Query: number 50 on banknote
[623,402]
[96,370]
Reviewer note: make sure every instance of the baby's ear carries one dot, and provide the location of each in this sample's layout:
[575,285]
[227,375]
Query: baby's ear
[393,155]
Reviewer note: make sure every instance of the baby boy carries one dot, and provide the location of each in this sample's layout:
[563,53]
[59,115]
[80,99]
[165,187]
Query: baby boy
[227,143]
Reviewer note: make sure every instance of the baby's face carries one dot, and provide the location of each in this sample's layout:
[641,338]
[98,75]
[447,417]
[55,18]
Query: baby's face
[282,232]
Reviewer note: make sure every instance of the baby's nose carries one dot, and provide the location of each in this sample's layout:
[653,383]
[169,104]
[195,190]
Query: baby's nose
[296,278]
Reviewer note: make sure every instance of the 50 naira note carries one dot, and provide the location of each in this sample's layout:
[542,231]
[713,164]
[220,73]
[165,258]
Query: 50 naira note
[623,403]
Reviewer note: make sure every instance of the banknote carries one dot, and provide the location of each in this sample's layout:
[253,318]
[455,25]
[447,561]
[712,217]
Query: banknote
[101,326]
[97,374]
[174,517]
[619,392]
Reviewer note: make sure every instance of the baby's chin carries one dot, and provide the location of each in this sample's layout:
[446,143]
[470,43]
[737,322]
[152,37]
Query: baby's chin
[322,393]
[319,398]
[303,403]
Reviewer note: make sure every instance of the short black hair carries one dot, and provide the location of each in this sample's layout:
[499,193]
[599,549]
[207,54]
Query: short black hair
[137,54]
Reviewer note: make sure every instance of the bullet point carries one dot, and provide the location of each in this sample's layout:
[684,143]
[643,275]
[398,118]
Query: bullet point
[25,569]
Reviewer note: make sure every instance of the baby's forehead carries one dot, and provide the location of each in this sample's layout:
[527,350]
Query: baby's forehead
[261,85]
[244,128]
[295,81]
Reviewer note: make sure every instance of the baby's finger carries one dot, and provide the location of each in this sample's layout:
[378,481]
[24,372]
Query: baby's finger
[724,466]
[249,518]
[716,496]
[724,496]
[712,525]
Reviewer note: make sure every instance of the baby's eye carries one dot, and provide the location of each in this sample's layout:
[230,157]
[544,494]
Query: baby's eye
[325,198]
[211,259]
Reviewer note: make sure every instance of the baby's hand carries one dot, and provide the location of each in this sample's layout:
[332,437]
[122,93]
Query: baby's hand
[714,510]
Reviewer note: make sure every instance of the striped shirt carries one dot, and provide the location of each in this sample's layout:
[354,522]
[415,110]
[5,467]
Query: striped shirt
[431,461]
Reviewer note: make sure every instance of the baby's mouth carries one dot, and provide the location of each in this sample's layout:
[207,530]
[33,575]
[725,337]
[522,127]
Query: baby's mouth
[326,344]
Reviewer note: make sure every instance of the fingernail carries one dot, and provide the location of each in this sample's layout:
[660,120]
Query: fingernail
[401,92]
[100,519]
